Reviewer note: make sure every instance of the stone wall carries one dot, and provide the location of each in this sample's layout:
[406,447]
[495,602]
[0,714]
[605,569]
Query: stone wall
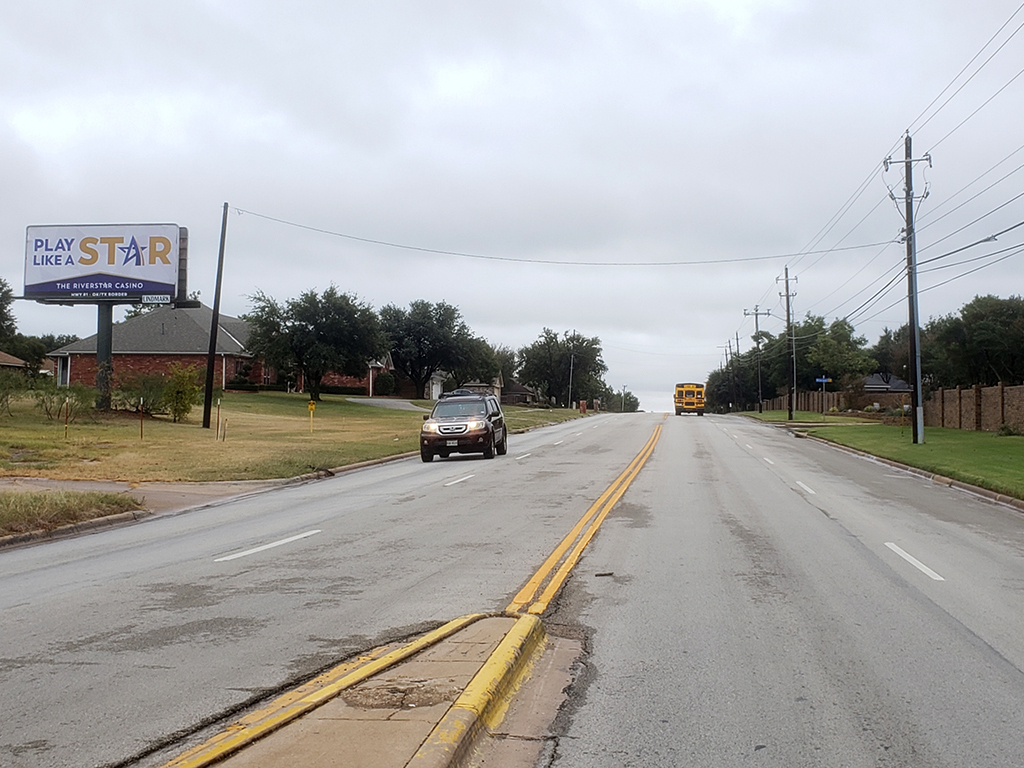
[976,408]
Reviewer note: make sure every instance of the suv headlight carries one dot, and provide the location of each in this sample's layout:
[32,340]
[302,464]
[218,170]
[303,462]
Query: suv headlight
[475,425]
[430,427]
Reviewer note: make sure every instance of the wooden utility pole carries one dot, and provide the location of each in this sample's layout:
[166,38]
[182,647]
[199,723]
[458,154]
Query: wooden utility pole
[791,337]
[757,335]
[917,397]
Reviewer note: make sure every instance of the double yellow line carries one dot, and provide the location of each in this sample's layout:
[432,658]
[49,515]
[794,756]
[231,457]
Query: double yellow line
[570,549]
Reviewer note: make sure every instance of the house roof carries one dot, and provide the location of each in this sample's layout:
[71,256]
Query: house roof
[169,330]
[515,388]
[876,382]
[10,361]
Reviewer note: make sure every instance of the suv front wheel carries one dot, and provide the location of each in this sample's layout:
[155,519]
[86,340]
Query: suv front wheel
[489,448]
[426,454]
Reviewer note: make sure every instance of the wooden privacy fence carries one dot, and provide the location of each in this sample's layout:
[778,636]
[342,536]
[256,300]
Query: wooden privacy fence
[812,401]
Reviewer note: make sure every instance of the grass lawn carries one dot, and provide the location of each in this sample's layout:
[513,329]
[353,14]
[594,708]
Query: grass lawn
[24,511]
[979,458]
[265,435]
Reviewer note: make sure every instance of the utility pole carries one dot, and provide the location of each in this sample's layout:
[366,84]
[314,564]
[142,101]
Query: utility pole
[757,336]
[739,378]
[214,322]
[732,376]
[792,346]
[911,240]
[727,349]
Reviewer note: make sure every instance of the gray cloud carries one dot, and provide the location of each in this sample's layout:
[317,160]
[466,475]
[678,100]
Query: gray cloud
[606,132]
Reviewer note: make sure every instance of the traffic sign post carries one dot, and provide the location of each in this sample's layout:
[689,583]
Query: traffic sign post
[823,380]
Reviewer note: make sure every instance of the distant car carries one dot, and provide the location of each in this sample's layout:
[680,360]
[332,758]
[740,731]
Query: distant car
[464,422]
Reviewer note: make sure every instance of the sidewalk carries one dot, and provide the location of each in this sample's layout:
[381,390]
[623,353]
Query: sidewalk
[419,705]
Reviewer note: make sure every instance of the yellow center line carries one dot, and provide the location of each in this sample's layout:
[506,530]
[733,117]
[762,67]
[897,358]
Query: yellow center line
[594,516]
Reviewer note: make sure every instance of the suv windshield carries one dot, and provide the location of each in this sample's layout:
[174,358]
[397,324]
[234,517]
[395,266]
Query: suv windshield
[443,410]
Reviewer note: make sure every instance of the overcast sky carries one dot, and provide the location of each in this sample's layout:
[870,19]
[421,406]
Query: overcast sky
[631,136]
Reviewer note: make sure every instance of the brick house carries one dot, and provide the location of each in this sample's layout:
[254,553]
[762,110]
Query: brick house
[152,342]
[10,362]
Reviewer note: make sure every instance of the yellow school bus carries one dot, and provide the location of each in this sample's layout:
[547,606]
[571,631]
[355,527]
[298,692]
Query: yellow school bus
[689,399]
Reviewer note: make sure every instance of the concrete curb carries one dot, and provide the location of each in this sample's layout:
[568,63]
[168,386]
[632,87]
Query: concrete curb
[289,707]
[485,699]
[934,477]
[73,528]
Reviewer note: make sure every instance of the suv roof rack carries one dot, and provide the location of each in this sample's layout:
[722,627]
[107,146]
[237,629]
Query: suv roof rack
[460,393]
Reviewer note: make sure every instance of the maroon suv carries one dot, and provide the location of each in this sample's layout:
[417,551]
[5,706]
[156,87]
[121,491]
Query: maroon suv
[464,423]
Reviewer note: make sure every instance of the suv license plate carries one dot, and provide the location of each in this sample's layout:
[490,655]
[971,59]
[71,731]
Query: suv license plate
[453,443]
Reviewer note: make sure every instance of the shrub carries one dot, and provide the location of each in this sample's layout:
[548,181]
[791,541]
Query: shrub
[1008,430]
[71,401]
[182,391]
[142,392]
[384,384]
[12,383]
[337,389]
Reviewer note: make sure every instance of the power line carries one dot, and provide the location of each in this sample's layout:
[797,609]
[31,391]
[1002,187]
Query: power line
[557,262]
[946,282]
[981,107]
[966,66]
[972,223]
[971,260]
[937,207]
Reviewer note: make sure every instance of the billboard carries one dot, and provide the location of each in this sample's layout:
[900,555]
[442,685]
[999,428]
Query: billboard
[90,263]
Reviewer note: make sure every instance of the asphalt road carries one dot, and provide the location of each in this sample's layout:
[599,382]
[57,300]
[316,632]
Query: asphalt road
[747,605]
[749,601]
[114,641]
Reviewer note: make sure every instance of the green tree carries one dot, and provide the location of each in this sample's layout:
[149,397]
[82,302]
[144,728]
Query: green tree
[776,360]
[476,362]
[425,338]
[315,334]
[892,354]
[507,363]
[551,360]
[839,355]
[618,401]
[34,349]
[994,331]
[8,326]
[183,390]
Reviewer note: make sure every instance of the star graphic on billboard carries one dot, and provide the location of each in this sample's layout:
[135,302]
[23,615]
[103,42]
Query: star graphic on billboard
[132,252]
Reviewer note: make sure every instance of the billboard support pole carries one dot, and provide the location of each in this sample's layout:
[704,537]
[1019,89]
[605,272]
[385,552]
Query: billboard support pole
[104,352]
[214,322]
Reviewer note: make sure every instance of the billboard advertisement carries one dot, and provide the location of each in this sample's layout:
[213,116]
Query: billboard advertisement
[90,263]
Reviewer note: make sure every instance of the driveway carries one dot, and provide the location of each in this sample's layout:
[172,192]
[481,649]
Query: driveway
[386,402]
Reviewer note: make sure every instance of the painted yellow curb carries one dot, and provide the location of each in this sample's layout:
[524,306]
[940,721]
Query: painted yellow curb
[484,701]
[297,703]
